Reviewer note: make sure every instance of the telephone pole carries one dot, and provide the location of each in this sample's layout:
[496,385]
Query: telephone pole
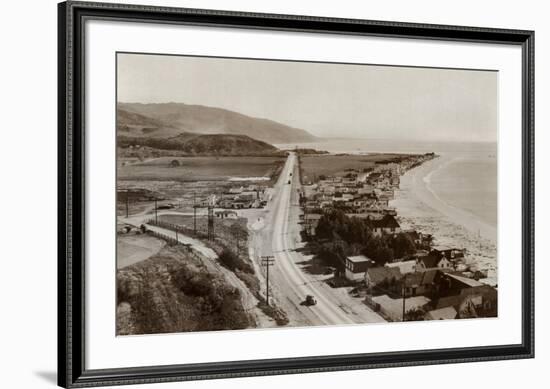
[267,261]
[210,222]
[194,214]
[127,199]
[403,295]
[156,215]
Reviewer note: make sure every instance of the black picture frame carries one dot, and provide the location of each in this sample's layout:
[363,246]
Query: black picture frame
[71,186]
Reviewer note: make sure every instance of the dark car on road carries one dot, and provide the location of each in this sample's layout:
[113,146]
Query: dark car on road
[310,300]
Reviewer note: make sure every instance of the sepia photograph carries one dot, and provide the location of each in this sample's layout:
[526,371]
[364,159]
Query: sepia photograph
[259,193]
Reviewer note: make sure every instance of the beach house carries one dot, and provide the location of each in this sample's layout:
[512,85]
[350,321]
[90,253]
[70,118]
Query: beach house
[385,278]
[356,266]
[431,261]
[386,225]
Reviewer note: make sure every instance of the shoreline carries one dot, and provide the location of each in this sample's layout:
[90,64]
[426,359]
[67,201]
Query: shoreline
[418,206]
[422,189]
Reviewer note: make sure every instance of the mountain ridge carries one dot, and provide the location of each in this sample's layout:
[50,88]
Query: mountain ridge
[169,119]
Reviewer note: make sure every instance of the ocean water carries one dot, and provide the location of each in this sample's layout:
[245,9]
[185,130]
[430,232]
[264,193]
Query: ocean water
[453,197]
[468,181]
[358,146]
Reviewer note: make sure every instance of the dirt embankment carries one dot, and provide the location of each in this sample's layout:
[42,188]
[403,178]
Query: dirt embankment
[231,245]
[174,291]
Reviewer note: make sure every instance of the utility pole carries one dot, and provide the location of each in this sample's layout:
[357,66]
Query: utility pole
[156,215]
[267,261]
[195,219]
[127,199]
[194,214]
[210,222]
[403,295]
[306,221]
[177,240]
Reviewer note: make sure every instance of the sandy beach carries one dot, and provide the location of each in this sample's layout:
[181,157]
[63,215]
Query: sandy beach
[419,206]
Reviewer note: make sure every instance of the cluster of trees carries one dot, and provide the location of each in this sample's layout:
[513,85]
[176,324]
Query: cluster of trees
[352,236]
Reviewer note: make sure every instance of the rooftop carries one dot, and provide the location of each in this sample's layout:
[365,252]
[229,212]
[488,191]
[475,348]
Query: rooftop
[403,266]
[379,274]
[442,314]
[358,259]
[313,216]
[421,278]
[387,221]
[430,260]
[465,280]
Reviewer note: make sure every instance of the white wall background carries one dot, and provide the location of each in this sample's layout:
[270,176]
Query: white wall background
[29,188]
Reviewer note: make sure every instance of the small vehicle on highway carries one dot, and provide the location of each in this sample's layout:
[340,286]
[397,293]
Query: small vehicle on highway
[310,300]
[166,206]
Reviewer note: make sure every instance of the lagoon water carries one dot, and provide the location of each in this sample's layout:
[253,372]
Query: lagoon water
[454,197]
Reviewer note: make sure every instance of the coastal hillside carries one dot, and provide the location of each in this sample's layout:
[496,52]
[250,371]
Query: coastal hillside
[174,291]
[136,124]
[227,145]
[198,145]
[170,119]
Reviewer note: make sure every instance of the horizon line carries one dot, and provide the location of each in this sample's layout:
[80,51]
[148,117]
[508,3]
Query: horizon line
[309,131]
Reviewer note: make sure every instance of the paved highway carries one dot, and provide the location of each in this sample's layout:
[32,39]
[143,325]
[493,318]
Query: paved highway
[329,309]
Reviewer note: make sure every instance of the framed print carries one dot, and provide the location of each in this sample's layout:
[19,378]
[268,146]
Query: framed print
[348,194]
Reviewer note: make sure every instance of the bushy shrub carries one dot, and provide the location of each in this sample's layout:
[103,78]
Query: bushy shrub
[233,262]
[193,283]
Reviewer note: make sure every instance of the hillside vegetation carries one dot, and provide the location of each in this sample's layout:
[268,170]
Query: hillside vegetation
[173,291]
[197,144]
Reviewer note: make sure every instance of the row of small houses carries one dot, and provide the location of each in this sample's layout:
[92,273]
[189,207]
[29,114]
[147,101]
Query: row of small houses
[356,203]
[243,197]
[367,193]
[439,257]
[333,185]
[448,293]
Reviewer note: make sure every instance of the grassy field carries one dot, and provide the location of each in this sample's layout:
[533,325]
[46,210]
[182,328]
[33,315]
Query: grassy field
[201,168]
[314,166]
[133,248]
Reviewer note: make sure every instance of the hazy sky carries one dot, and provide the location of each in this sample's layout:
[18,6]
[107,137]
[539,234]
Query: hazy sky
[334,100]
